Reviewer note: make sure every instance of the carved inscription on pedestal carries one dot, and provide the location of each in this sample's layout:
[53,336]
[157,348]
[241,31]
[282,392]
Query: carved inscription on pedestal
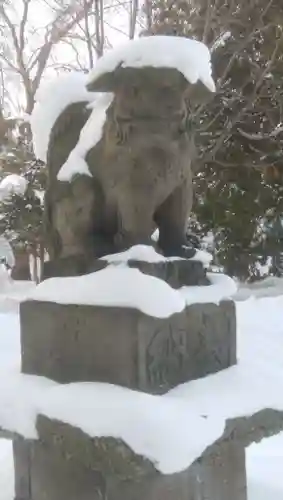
[163,357]
[193,344]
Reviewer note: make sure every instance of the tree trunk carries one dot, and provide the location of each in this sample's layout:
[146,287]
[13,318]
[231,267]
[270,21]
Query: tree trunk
[21,269]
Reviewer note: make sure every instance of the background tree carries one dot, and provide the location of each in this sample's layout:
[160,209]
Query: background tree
[22,184]
[240,132]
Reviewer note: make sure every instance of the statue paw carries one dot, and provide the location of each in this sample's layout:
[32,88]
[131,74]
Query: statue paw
[187,251]
[193,239]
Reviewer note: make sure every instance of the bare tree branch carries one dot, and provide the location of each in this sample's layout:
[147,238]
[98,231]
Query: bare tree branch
[134,7]
[88,37]
[92,17]
[148,14]
[260,137]
[57,33]
[98,25]
[227,133]
[23,25]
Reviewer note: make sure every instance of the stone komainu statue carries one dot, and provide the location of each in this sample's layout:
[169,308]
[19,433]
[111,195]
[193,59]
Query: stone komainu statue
[141,169]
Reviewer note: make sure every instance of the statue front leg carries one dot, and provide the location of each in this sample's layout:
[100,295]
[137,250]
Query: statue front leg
[171,219]
[135,221]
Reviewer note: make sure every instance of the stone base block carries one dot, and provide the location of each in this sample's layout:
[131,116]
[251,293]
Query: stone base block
[176,273]
[22,450]
[65,464]
[70,343]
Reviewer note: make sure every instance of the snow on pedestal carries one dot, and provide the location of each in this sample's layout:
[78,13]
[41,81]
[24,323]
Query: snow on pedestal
[120,286]
[113,287]
[145,253]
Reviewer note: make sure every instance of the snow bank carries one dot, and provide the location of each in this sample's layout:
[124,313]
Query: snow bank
[264,464]
[89,137]
[13,292]
[5,278]
[6,251]
[51,99]
[190,57]
[10,349]
[114,286]
[12,184]
[271,286]
[145,253]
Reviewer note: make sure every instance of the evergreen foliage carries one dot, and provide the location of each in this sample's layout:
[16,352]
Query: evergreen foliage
[21,213]
[239,183]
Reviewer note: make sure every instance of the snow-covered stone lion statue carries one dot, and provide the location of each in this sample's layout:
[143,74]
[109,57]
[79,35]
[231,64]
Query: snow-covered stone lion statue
[120,153]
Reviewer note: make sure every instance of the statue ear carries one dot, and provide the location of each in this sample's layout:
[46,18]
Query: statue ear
[107,82]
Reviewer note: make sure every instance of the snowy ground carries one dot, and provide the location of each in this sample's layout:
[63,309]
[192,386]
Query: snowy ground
[264,460]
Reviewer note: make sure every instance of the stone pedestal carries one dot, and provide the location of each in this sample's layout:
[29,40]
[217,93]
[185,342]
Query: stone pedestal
[71,343]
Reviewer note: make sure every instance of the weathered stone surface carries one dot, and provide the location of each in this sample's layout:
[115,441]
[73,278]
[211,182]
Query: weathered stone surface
[112,457]
[75,265]
[112,81]
[56,478]
[66,461]
[65,464]
[141,171]
[123,346]
[176,273]
[22,450]
[6,434]
[253,428]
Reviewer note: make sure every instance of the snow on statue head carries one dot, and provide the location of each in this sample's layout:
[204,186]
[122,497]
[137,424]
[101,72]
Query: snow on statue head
[120,167]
